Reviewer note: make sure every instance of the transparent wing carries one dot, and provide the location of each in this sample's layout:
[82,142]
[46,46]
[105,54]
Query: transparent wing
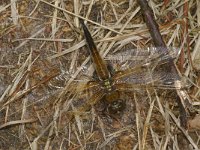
[145,66]
[140,56]
[85,86]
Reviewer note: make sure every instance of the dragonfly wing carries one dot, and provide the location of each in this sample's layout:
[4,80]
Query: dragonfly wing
[140,56]
[84,86]
[146,78]
[90,101]
[137,75]
[144,67]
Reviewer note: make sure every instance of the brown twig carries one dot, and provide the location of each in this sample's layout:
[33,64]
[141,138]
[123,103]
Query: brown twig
[159,42]
[185,37]
[186,10]
[151,24]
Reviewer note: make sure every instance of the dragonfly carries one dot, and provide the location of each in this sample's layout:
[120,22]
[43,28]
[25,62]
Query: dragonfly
[125,72]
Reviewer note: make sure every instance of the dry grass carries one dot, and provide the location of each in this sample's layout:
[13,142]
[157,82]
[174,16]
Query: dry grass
[43,54]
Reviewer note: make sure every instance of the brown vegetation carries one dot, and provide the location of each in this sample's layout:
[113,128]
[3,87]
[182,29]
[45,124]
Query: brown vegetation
[43,56]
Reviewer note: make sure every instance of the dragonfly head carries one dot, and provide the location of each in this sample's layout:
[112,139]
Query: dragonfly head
[116,106]
[115,103]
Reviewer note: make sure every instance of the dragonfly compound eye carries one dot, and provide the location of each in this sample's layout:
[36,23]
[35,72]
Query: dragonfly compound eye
[116,106]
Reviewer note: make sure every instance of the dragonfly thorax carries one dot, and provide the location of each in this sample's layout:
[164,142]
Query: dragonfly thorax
[107,85]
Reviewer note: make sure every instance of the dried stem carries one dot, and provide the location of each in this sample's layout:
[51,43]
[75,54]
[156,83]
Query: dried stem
[159,42]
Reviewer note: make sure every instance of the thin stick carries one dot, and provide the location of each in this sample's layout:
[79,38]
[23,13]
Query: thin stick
[159,42]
